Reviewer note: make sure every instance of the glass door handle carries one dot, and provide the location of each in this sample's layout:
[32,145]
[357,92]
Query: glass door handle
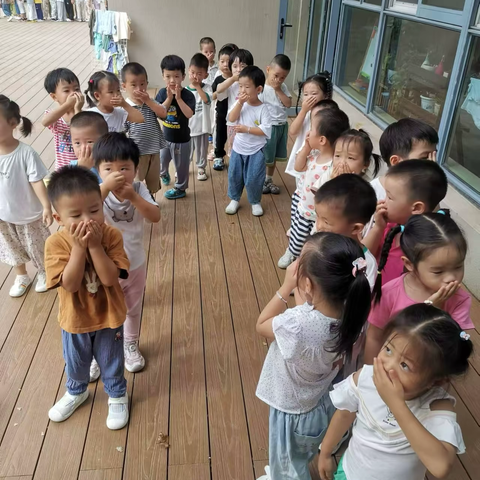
[283,26]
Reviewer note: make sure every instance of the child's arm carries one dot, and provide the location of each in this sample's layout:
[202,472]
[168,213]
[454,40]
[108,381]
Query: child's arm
[297,124]
[234,113]
[134,115]
[106,269]
[374,237]
[284,98]
[72,276]
[168,100]
[203,95]
[113,181]
[302,155]
[41,192]
[186,110]
[252,130]
[373,343]
[437,456]
[148,210]
[277,305]
[160,110]
[51,117]
[224,86]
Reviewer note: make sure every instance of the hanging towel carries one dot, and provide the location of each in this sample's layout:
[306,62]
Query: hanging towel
[472,101]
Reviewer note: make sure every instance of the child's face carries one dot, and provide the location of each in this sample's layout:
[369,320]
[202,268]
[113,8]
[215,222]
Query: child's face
[237,66]
[442,267]
[135,82]
[173,78]
[247,86]
[398,355]
[400,207]
[311,89]
[421,150]
[223,64]
[276,75]
[125,167]
[350,153]
[209,51]
[197,75]
[331,218]
[79,207]
[107,92]
[64,90]
[316,140]
[82,137]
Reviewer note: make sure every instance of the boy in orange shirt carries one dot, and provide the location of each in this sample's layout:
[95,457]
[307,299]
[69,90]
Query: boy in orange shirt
[84,261]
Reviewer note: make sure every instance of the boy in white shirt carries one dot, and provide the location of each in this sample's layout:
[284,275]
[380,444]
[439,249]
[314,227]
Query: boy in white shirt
[200,124]
[253,126]
[207,47]
[277,97]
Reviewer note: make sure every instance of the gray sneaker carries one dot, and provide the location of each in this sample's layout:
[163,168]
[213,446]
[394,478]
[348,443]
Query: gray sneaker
[286,259]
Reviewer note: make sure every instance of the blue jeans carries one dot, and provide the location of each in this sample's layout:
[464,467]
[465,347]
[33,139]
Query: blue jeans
[107,347]
[6,9]
[246,171]
[294,440]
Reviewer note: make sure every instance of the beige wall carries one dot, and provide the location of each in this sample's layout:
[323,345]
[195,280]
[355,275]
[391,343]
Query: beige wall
[175,27]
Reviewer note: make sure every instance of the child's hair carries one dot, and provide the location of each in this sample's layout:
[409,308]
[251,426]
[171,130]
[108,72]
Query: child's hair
[243,55]
[421,235]
[282,61]
[199,60]
[324,82]
[255,74]
[332,123]
[353,194]
[329,261]
[71,180]
[399,137]
[227,49]
[173,62]
[442,347]
[94,85]
[207,41]
[89,119]
[10,110]
[133,68]
[115,146]
[58,75]
[362,138]
[326,103]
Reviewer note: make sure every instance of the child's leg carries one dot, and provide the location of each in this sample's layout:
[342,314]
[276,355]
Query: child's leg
[254,174]
[53,9]
[152,177]
[38,8]
[77,352]
[181,159]
[221,137]
[61,11]
[166,155]
[33,237]
[300,230]
[235,176]
[202,150]
[294,439]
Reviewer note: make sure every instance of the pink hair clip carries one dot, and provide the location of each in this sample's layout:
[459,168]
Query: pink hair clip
[359,265]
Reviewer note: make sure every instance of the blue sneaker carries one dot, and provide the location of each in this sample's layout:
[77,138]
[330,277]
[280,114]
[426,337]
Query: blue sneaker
[166,179]
[219,164]
[175,193]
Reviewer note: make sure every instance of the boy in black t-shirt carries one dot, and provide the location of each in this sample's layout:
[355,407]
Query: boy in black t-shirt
[180,105]
[222,106]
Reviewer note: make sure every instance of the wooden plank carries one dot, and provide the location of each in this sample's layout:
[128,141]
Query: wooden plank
[28,423]
[468,388]
[24,477]
[182,472]
[229,441]
[108,474]
[188,409]
[259,467]
[145,457]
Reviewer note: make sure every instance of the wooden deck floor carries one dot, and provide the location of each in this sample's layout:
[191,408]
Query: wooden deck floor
[209,275]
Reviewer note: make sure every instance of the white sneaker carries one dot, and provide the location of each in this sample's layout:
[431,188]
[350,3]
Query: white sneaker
[232,207]
[257,210]
[286,259]
[20,286]
[68,20]
[117,412]
[41,285]
[94,371]
[65,407]
[267,476]
[134,361]
[201,175]
[10,18]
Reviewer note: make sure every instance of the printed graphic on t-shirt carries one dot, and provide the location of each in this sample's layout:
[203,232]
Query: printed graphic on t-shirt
[390,419]
[122,213]
[65,144]
[171,121]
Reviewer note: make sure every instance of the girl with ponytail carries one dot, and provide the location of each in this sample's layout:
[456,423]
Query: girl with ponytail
[25,212]
[309,343]
[434,251]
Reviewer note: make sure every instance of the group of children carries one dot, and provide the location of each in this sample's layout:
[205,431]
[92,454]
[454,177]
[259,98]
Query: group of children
[374,263]
[40,10]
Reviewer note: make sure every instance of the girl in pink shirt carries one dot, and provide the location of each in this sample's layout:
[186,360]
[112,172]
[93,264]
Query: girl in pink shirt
[434,254]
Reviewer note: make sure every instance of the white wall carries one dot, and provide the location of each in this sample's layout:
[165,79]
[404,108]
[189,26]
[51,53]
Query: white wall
[175,27]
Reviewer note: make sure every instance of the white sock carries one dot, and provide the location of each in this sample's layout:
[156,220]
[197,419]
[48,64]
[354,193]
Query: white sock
[24,278]
[268,177]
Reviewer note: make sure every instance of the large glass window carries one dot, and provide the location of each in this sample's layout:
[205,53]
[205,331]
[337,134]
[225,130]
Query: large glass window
[463,157]
[451,4]
[317,33]
[415,66]
[355,67]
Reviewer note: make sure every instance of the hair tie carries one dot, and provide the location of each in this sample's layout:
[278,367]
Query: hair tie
[464,336]
[359,265]
[441,212]
[90,81]
[402,228]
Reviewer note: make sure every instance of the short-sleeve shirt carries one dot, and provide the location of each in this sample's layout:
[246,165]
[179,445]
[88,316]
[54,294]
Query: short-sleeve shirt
[62,138]
[395,298]
[124,216]
[381,195]
[297,146]
[115,120]
[222,105]
[298,369]
[148,135]
[212,73]
[18,202]
[175,125]
[200,123]
[394,266]
[253,116]
[232,95]
[278,110]
[94,306]
[379,449]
